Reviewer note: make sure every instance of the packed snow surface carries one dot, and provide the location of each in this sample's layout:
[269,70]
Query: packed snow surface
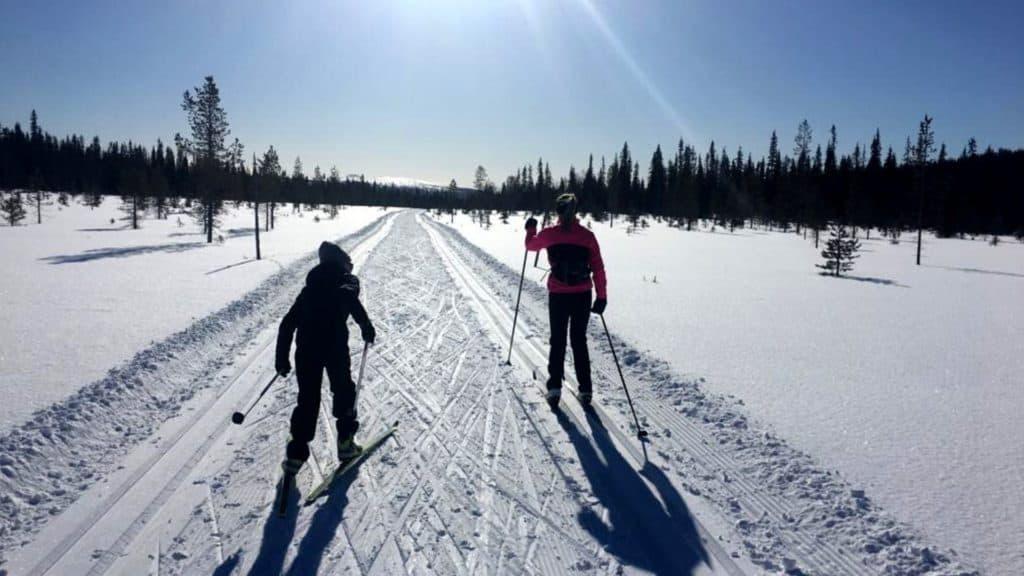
[141,471]
[909,380]
[81,294]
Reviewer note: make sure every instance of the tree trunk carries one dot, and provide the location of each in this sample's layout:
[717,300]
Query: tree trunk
[209,221]
[920,216]
[256,212]
[39,207]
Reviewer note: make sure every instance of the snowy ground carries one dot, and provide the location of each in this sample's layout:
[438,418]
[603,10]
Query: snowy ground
[906,379]
[482,477]
[81,295]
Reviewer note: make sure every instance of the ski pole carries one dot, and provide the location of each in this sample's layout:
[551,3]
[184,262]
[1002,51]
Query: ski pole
[362,367]
[640,432]
[515,318]
[239,417]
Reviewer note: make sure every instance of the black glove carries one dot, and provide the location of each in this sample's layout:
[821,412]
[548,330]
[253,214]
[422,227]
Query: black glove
[283,367]
[369,334]
[531,222]
[599,305]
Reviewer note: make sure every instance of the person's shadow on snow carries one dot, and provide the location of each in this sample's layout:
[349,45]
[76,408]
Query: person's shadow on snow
[277,536]
[641,531]
[322,529]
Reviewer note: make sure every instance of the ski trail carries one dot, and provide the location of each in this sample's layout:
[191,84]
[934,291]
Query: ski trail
[528,354]
[775,503]
[481,477]
[105,521]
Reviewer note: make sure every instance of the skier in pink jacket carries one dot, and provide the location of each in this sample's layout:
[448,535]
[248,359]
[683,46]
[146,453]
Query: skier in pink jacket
[574,257]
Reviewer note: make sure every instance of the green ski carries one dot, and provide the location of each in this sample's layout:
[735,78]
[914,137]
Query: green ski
[349,464]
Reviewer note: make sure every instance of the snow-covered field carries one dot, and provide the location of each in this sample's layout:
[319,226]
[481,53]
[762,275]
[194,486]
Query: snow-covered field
[140,470]
[81,295]
[908,380]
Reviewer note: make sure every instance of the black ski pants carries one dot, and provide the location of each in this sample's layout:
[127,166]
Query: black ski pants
[309,371]
[569,312]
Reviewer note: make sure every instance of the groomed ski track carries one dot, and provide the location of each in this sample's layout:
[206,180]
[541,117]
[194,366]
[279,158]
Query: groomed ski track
[481,478]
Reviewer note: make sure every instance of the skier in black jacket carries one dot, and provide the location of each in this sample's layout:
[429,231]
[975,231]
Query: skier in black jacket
[320,314]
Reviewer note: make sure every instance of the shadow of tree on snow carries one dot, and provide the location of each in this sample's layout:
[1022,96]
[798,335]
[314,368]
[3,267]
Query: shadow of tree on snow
[978,271]
[121,252]
[868,279]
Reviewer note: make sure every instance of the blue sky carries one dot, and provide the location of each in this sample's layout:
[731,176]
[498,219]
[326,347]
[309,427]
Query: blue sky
[430,89]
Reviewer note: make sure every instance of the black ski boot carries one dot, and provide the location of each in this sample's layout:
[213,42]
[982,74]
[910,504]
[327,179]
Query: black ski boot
[291,467]
[553,396]
[586,399]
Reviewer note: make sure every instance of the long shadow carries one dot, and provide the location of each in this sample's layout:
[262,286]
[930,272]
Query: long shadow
[121,229]
[123,252]
[978,271]
[322,529]
[229,565]
[641,532]
[236,232]
[230,266]
[277,536]
[868,279]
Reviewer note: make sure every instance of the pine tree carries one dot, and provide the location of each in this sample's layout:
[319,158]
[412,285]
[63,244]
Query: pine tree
[840,251]
[480,179]
[774,159]
[656,184]
[12,208]
[133,201]
[209,125]
[270,174]
[802,147]
[922,156]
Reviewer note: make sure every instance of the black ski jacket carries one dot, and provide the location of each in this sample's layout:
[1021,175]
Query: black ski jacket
[320,314]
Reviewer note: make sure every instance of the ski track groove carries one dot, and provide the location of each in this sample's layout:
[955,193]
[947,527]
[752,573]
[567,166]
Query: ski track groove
[500,318]
[135,525]
[820,556]
[478,479]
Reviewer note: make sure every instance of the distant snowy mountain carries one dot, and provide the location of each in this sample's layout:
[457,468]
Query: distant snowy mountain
[424,186]
[403,181]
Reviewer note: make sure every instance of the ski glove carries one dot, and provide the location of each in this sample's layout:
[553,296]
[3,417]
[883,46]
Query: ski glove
[531,223]
[283,368]
[369,334]
[599,305]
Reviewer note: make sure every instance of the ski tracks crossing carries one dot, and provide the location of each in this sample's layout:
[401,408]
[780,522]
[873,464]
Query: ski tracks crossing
[481,477]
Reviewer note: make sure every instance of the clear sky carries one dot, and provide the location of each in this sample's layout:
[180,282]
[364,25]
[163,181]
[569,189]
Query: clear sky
[430,88]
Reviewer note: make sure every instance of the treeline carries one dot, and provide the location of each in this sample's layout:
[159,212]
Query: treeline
[38,168]
[869,187]
[973,192]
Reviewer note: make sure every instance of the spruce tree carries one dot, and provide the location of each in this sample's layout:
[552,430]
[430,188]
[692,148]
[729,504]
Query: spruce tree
[656,185]
[12,208]
[840,251]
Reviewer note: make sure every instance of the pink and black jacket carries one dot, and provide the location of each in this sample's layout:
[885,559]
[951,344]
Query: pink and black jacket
[574,256]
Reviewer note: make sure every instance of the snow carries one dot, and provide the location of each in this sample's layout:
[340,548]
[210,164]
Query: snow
[82,295]
[481,477]
[141,471]
[905,379]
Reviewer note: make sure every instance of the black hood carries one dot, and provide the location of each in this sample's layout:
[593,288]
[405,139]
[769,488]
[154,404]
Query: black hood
[325,276]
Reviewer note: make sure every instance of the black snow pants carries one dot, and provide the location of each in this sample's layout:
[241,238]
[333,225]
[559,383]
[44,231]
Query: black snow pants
[309,371]
[569,312]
